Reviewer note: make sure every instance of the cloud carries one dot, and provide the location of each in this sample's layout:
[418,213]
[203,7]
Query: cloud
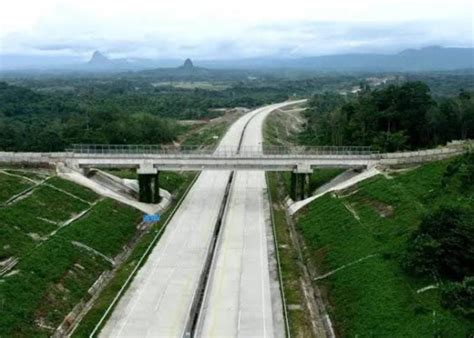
[219,29]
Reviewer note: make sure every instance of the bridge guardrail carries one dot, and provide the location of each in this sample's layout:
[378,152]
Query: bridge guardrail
[221,151]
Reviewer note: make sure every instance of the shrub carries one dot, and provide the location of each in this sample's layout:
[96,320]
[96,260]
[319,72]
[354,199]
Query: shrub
[444,243]
[459,296]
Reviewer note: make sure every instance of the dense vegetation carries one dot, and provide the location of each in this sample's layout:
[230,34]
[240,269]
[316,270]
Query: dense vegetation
[372,235]
[50,273]
[50,112]
[44,122]
[47,264]
[443,245]
[395,117]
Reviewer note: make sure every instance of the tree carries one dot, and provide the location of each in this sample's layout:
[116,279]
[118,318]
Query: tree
[444,243]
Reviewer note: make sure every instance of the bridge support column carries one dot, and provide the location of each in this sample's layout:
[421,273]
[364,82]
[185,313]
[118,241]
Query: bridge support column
[300,183]
[156,188]
[302,179]
[148,184]
[293,186]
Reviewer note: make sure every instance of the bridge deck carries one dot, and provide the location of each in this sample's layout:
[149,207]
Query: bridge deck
[194,159]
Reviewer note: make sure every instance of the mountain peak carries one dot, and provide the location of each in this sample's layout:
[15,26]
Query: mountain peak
[188,64]
[99,59]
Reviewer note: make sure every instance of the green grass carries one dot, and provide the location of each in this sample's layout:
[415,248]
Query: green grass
[53,275]
[35,175]
[105,228]
[72,188]
[11,186]
[299,319]
[36,215]
[50,281]
[88,323]
[36,212]
[376,297]
[206,136]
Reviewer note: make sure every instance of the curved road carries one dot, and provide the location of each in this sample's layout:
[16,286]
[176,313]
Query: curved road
[158,301]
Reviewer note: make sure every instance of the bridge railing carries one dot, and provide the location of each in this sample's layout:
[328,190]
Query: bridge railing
[221,151]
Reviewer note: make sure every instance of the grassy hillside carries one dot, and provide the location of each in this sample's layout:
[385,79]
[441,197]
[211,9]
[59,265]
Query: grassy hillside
[368,228]
[49,273]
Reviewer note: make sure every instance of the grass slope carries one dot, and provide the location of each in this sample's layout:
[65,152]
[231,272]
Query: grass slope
[12,186]
[374,297]
[52,274]
[298,315]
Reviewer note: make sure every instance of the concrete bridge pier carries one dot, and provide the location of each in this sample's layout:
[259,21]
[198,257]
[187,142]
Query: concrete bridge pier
[148,184]
[299,187]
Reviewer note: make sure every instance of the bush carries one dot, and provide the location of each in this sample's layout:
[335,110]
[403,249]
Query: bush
[459,175]
[459,296]
[444,243]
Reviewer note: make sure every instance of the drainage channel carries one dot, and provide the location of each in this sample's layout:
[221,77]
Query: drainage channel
[198,299]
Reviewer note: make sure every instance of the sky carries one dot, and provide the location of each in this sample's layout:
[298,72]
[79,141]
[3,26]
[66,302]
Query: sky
[212,29]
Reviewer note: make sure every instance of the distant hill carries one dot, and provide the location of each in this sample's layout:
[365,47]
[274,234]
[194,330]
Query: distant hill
[432,58]
[188,65]
[187,71]
[98,60]
[424,59]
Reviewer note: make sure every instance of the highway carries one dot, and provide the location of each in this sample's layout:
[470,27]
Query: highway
[243,297]
[159,299]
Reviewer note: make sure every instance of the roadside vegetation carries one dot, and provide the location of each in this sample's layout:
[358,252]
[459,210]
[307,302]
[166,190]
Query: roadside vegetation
[396,117]
[49,259]
[207,136]
[283,126]
[393,255]
[49,113]
[291,264]
[12,185]
[382,248]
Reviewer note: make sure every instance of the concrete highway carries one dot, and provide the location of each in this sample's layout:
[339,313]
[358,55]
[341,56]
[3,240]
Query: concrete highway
[243,297]
[158,301]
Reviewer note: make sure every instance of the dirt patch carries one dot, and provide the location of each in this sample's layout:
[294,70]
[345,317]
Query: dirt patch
[346,192]
[383,209]
[35,237]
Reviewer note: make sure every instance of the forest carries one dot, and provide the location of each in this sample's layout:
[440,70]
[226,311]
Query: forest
[51,112]
[395,117]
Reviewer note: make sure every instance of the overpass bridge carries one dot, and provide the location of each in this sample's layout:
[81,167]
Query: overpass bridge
[298,159]
[149,160]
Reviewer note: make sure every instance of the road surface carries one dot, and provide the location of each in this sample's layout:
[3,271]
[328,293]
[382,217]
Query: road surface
[243,297]
[158,301]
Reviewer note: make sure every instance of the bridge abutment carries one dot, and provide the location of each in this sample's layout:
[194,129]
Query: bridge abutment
[148,184]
